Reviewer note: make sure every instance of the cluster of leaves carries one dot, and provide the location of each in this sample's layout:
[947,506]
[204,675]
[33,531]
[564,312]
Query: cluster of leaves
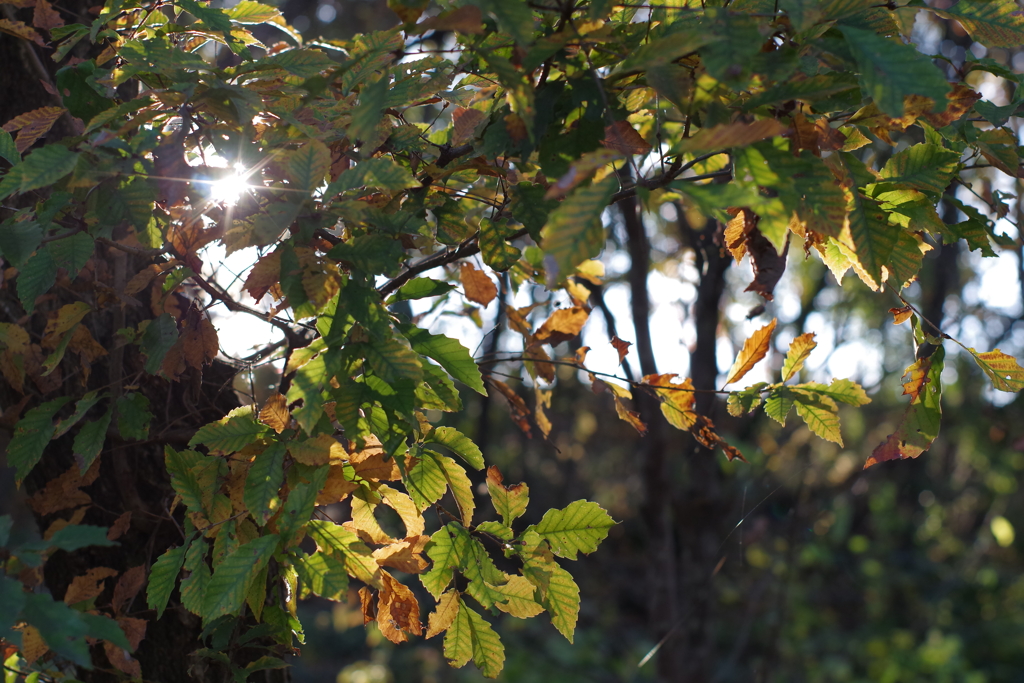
[357,182]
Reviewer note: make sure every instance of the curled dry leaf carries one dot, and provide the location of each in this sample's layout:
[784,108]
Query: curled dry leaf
[264,275]
[730,135]
[34,124]
[754,349]
[45,17]
[563,325]
[119,526]
[126,588]
[477,285]
[901,315]
[623,138]
[622,347]
[398,611]
[520,413]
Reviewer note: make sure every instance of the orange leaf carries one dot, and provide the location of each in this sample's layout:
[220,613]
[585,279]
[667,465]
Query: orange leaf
[444,614]
[623,138]
[366,604]
[742,223]
[465,19]
[405,556]
[199,342]
[958,101]
[563,325]
[32,644]
[465,122]
[622,347]
[337,487]
[730,135]
[915,377]
[45,17]
[477,286]
[19,29]
[122,661]
[65,492]
[627,415]
[900,315]
[676,399]
[275,413]
[265,274]
[88,585]
[369,463]
[754,349]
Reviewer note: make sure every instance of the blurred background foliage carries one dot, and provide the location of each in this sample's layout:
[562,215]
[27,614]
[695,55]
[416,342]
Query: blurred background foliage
[910,571]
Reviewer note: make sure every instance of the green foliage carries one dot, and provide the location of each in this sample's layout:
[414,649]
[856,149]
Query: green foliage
[359,184]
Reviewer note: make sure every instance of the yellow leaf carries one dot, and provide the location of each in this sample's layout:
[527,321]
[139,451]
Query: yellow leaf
[799,350]
[406,509]
[398,611]
[900,315]
[520,598]
[754,349]
[67,317]
[444,614]
[319,450]
[563,325]
[676,399]
[1002,369]
[405,556]
[275,413]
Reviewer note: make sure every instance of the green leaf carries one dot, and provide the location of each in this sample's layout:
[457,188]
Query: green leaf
[36,278]
[45,166]
[437,392]
[160,335]
[494,247]
[453,356]
[302,62]
[920,424]
[62,628]
[249,12]
[75,536]
[391,360]
[183,467]
[103,627]
[31,435]
[1001,368]
[574,232]
[994,23]
[193,586]
[873,238]
[367,113]
[81,408]
[308,165]
[778,404]
[579,527]
[230,434]
[8,150]
[471,637]
[845,391]
[819,412]
[441,549]
[742,402]
[380,173]
[560,595]
[808,90]
[346,546]
[924,167]
[509,501]
[215,19]
[263,481]
[425,480]
[162,578]
[420,288]
[530,208]
[373,254]
[298,507]
[230,581]
[459,444]
[891,70]
[12,599]
[324,575]
[906,259]
[133,416]
[72,253]
[19,239]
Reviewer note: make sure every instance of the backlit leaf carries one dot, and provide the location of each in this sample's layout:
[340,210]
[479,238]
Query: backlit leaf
[574,232]
[920,423]
[449,353]
[45,166]
[994,23]
[580,527]
[509,501]
[754,349]
[477,285]
[444,614]
[1004,371]
[230,581]
[231,433]
[471,637]
[799,349]
[263,481]
[924,167]
[563,325]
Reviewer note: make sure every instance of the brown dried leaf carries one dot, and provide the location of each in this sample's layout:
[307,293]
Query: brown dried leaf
[369,463]
[85,345]
[754,349]
[134,629]
[563,325]
[543,400]
[477,285]
[405,556]
[901,315]
[633,418]
[623,138]
[320,450]
[88,585]
[76,517]
[465,122]
[959,100]
[265,274]
[622,347]
[275,413]
[516,127]
[64,491]
[738,230]
[199,342]
[120,525]
[398,612]
[465,19]
[125,590]
[768,264]
[34,124]
[536,363]
[337,487]
[805,135]
[19,29]
[366,604]
[122,661]
[45,17]
[731,135]
[520,413]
